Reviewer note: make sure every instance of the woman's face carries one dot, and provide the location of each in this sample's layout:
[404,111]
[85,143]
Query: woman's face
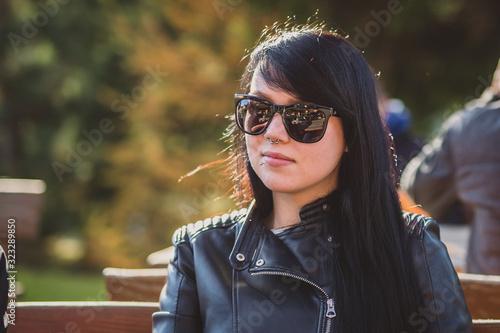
[307,170]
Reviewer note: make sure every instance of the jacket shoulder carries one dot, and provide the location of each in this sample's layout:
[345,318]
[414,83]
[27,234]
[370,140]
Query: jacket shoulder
[417,225]
[436,278]
[187,232]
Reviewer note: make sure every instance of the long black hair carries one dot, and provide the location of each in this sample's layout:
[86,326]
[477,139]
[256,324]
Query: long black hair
[375,287]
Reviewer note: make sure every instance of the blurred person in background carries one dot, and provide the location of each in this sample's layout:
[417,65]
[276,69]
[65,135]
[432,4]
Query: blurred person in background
[324,245]
[461,168]
[399,121]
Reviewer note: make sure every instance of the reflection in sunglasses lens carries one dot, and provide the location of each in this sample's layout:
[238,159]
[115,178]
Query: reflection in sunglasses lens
[302,124]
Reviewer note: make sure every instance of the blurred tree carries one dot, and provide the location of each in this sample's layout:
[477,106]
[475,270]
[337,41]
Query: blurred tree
[111,102]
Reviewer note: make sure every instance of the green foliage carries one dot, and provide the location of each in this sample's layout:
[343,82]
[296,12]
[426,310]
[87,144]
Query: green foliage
[60,285]
[111,102]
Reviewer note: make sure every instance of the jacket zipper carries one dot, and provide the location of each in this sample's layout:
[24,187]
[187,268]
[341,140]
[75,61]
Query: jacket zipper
[330,302]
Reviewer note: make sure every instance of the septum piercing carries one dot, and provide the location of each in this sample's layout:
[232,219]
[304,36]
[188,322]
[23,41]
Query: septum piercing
[273,142]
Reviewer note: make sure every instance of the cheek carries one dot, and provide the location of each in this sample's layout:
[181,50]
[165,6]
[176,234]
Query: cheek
[252,143]
[334,144]
[335,135]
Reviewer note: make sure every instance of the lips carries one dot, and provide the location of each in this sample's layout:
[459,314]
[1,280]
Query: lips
[276,159]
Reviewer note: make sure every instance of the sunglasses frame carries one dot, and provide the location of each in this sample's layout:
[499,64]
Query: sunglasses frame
[328,111]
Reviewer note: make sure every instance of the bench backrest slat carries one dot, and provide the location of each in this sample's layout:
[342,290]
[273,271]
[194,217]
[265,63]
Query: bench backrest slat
[482,294]
[112,317]
[79,317]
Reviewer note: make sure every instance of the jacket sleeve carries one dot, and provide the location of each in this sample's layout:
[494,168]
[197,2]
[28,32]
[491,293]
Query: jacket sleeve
[429,177]
[444,308]
[179,307]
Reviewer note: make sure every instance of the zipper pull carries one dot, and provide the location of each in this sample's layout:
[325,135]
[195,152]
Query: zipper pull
[330,311]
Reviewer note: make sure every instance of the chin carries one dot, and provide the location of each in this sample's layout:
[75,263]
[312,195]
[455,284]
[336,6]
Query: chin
[282,188]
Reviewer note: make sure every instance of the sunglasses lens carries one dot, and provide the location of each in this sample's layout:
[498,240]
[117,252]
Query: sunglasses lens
[252,116]
[305,125]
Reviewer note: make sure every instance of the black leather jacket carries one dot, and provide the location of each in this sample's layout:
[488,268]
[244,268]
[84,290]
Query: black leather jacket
[233,274]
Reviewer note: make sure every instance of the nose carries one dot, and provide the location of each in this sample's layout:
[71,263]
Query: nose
[277,130]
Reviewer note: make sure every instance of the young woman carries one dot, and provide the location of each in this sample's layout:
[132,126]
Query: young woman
[323,245]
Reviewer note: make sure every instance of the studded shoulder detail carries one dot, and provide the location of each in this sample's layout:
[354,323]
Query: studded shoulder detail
[416,224]
[192,230]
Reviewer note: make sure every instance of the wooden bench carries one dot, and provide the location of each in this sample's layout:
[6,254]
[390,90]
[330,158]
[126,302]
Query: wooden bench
[112,317]
[486,326]
[79,317]
[482,294]
[161,258]
[140,285]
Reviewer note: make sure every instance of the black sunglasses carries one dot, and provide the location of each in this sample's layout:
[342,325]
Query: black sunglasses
[304,123]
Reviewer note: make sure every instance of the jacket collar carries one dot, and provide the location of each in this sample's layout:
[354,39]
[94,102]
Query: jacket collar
[257,248]
[247,237]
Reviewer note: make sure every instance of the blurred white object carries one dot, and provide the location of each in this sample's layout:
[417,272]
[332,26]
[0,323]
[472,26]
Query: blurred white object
[21,200]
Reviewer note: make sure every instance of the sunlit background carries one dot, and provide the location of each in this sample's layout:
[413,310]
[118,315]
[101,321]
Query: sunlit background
[110,102]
